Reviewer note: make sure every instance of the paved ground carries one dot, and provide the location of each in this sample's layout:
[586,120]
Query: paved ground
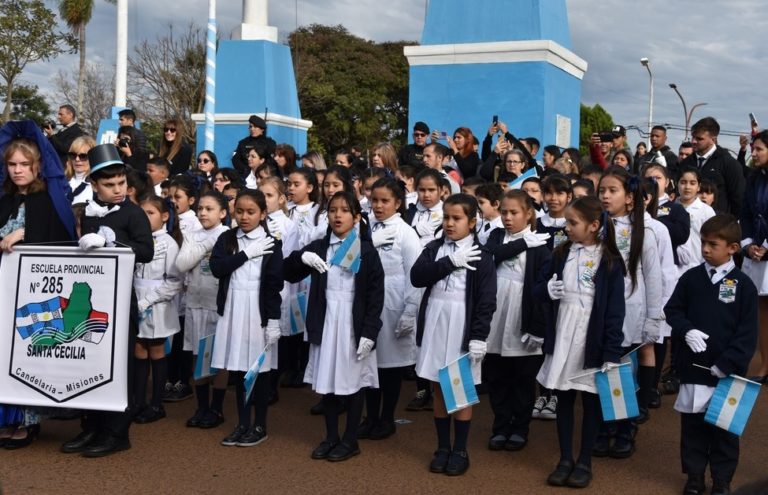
[168,458]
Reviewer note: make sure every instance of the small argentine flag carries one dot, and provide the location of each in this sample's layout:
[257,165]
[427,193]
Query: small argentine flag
[616,388]
[518,183]
[204,355]
[168,345]
[457,385]
[298,312]
[348,254]
[253,373]
[631,357]
[732,403]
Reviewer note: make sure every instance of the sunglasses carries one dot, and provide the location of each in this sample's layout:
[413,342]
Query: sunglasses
[419,134]
[203,160]
[83,157]
[169,129]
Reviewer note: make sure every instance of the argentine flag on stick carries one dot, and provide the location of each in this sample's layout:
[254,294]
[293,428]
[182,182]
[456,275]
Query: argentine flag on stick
[457,385]
[253,373]
[204,355]
[616,388]
[518,183]
[298,312]
[732,403]
[348,254]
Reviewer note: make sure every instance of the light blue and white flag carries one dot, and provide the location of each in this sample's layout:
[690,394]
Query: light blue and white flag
[204,355]
[168,345]
[518,183]
[631,358]
[732,403]
[348,254]
[253,373]
[616,388]
[457,385]
[298,312]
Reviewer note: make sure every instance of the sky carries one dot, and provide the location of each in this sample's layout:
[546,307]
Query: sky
[710,49]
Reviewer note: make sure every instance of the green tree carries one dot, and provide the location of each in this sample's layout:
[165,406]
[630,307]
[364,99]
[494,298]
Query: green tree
[26,36]
[27,103]
[77,14]
[593,119]
[353,90]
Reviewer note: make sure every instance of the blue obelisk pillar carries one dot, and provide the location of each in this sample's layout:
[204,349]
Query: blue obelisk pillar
[510,58]
[254,75]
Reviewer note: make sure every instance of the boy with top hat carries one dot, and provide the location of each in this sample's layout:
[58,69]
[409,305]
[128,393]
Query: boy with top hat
[109,219]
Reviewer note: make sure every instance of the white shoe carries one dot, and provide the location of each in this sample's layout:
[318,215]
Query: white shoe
[550,410]
[538,406]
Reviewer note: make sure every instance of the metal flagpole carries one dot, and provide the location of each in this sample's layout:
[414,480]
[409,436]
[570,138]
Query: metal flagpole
[210,77]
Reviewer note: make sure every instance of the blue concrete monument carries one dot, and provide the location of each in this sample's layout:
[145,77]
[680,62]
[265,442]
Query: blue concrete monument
[254,75]
[510,58]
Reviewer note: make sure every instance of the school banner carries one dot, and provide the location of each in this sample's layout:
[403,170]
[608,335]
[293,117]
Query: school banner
[64,327]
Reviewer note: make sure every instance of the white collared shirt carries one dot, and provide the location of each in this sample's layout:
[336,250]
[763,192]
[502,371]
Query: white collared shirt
[706,156]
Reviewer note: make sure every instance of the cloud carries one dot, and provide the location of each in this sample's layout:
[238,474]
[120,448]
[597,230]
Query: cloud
[711,50]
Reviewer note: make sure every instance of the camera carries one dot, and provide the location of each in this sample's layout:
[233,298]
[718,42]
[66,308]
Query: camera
[48,124]
[606,137]
[123,143]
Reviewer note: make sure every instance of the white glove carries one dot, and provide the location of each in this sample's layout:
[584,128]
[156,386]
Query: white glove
[259,247]
[314,261]
[364,348]
[651,331]
[606,367]
[531,343]
[477,350]
[405,326]
[532,239]
[555,288]
[696,340]
[90,241]
[428,228]
[274,227]
[716,372]
[143,305]
[272,332]
[463,257]
[382,237]
[660,159]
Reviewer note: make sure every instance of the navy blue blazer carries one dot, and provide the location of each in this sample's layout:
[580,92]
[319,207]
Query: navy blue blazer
[754,212]
[480,298]
[224,262]
[677,221]
[604,332]
[533,320]
[369,290]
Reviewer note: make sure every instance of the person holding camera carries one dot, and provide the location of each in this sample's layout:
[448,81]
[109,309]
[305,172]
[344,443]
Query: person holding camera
[127,147]
[70,130]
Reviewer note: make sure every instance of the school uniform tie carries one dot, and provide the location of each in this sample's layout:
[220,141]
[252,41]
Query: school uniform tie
[486,227]
[701,162]
[712,273]
[378,226]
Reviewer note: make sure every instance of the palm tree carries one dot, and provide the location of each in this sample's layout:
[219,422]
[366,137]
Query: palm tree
[77,14]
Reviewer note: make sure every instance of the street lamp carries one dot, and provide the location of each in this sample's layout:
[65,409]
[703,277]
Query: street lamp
[647,64]
[687,115]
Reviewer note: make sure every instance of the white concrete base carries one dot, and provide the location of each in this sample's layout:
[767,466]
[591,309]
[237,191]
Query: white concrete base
[255,32]
[242,119]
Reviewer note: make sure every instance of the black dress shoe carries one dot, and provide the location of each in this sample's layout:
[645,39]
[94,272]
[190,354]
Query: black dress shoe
[515,442]
[720,487]
[20,443]
[384,429]
[695,485]
[580,477]
[194,421]
[322,450]
[79,443]
[458,463]
[561,473]
[211,419]
[655,401]
[106,445]
[343,451]
[150,415]
[439,461]
[364,429]
[623,447]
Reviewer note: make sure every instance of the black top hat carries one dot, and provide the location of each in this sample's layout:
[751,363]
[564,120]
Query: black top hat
[102,156]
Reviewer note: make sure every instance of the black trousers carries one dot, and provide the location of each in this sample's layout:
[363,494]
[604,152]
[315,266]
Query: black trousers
[512,392]
[702,443]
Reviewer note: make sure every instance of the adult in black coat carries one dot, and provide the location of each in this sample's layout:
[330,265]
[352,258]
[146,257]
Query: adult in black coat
[717,165]
[257,138]
[70,130]
[659,145]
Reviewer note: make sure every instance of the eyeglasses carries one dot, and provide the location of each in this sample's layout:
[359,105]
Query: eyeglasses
[419,134]
[514,162]
[169,129]
[83,157]
[203,160]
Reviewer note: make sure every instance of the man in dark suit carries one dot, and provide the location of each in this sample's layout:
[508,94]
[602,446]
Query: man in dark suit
[68,132]
[716,164]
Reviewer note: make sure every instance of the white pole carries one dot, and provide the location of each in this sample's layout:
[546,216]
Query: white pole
[121,65]
[210,77]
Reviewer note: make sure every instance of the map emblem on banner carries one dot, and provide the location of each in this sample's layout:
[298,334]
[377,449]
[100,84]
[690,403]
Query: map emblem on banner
[63,339]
